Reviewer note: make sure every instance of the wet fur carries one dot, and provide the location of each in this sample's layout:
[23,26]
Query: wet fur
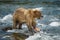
[22,15]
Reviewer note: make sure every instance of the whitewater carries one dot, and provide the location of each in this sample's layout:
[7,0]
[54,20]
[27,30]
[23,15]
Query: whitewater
[49,25]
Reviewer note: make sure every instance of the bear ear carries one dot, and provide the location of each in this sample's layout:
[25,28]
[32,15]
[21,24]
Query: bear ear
[35,11]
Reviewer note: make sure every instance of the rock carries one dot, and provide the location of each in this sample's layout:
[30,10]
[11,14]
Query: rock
[19,36]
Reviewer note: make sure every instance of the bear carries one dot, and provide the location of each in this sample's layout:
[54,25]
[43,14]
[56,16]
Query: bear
[28,16]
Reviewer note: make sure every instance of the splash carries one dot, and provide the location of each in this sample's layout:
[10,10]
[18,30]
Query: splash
[7,18]
[40,36]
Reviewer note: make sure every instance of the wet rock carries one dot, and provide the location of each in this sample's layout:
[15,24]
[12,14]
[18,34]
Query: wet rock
[19,36]
[7,28]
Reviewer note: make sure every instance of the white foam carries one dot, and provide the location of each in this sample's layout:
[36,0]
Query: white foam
[41,24]
[34,37]
[11,30]
[5,37]
[54,24]
[40,36]
[40,8]
[54,19]
[7,18]
[16,31]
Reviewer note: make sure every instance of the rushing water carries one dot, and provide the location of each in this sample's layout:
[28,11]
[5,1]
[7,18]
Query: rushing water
[49,24]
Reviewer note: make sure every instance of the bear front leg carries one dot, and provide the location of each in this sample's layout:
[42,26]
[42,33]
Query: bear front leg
[34,24]
[30,28]
[34,27]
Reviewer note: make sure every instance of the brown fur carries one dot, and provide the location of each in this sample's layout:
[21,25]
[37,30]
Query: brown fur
[22,15]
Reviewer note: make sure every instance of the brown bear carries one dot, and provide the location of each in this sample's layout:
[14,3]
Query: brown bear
[23,15]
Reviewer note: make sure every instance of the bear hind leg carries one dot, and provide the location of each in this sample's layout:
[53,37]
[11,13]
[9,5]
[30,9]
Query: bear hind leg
[15,25]
[20,26]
